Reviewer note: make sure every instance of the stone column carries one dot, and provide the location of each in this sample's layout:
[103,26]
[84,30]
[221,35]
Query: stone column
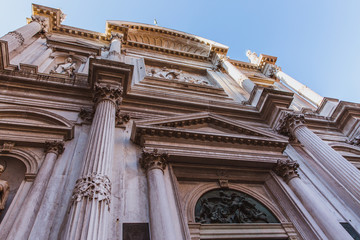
[23,223]
[90,204]
[346,173]
[311,201]
[299,87]
[19,36]
[238,76]
[161,222]
[115,47]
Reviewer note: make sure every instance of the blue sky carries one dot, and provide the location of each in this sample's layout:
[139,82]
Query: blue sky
[316,42]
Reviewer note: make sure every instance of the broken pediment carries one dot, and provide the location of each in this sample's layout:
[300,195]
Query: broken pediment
[206,127]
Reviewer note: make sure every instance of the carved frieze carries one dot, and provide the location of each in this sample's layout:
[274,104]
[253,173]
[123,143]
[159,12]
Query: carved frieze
[286,169]
[176,75]
[289,122]
[229,206]
[153,160]
[109,93]
[93,186]
[56,147]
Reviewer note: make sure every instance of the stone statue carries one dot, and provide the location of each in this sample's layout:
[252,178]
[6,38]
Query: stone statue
[253,57]
[66,68]
[4,190]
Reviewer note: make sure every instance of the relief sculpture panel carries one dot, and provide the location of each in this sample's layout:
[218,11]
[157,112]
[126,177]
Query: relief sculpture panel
[229,206]
[177,75]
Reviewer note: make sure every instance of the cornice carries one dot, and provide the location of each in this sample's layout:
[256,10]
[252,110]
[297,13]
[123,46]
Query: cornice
[247,65]
[181,44]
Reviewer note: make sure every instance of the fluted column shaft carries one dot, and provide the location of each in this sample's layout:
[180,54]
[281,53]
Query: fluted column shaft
[115,47]
[161,222]
[23,223]
[19,36]
[311,201]
[337,165]
[91,198]
[238,76]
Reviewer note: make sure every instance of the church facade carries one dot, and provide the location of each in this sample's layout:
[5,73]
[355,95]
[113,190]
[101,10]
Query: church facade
[144,132]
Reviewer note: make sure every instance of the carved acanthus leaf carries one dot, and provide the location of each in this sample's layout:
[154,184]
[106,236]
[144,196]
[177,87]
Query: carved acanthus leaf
[153,160]
[289,122]
[93,186]
[110,93]
[56,147]
[286,169]
[86,114]
[121,118]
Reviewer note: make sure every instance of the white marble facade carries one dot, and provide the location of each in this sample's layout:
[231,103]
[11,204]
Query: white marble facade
[144,132]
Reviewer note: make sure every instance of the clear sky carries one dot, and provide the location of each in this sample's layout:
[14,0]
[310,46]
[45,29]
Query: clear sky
[316,42]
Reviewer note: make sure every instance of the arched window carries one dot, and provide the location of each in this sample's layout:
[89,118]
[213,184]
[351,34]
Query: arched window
[230,206]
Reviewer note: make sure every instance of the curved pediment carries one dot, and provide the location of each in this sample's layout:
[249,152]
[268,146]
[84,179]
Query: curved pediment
[33,125]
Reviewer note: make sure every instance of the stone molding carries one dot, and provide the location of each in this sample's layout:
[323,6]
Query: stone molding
[18,36]
[107,93]
[56,147]
[153,160]
[286,169]
[93,186]
[7,147]
[289,122]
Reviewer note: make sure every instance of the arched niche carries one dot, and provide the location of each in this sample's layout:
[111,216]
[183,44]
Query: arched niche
[14,175]
[231,206]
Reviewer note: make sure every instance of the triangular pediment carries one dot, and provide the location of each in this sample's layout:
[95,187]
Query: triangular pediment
[206,126]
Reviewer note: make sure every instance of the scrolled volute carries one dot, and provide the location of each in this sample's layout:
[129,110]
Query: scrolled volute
[153,160]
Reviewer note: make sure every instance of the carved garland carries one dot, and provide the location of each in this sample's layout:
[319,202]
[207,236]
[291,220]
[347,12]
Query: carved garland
[93,186]
[18,36]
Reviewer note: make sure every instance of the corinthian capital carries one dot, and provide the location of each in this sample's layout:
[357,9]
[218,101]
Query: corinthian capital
[286,169]
[109,93]
[56,147]
[289,122]
[42,21]
[153,160]
[118,36]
